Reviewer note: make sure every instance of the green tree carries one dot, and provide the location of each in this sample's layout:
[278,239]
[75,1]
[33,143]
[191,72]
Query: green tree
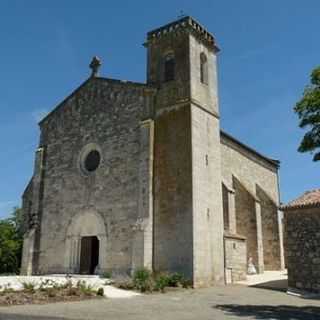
[11,242]
[308,110]
[17,220]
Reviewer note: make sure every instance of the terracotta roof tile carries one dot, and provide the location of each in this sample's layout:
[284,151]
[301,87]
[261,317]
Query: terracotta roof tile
[308,199]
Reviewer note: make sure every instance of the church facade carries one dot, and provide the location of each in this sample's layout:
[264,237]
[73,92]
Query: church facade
[130,175]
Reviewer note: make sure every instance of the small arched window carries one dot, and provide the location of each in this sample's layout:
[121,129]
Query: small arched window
[203,68]
[169,67]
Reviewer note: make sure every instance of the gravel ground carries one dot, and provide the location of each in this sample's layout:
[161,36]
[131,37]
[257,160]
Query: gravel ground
[229,302]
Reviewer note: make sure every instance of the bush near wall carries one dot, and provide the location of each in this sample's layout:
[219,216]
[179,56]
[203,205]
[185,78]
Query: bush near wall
[144,280]
[11,240]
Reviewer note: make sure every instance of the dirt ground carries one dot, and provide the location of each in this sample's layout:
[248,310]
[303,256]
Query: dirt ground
[228,302]
[16,283]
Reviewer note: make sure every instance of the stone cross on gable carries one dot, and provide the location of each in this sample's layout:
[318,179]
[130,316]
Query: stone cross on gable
[181,15]
[95,66]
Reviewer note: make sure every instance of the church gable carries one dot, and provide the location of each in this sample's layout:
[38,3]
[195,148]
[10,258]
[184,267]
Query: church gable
[95,99]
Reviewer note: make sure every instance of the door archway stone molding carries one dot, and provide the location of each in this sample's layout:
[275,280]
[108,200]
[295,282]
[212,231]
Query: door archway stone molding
[84,224]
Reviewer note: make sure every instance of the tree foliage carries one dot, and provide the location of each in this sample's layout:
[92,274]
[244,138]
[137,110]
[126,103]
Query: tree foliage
[11,242]
[308,110]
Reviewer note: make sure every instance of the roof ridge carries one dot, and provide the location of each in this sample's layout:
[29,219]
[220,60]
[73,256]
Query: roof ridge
[271,161]
[313,190]
[77,89]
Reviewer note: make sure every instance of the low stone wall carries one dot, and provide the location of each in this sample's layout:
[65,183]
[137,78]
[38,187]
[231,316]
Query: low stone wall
[235,258]
[302,227]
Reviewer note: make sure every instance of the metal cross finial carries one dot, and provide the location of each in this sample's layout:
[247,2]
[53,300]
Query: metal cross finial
[95,66]
[182,14]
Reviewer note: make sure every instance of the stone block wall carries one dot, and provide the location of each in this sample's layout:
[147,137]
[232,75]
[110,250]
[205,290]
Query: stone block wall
[142,253]
[246,219]
[207,199]
[235,258]
[171,92]
[204,95]
[173,236]
[105,114]
[302,227]
[249,168]
[270,231]
[254,179]
[188,218]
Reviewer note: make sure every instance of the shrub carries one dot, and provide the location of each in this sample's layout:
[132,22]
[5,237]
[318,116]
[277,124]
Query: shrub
[100,292]
[57,285]
[72,291]
[84,288]
[142,280]
[146,281]
[175,279]
[67,285]
[29,286]
[6,290]
[51,292]
[185,283]
[47,283]
[106,275]
[161,281]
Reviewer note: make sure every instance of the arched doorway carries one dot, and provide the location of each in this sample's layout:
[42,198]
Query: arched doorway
[85,250]
[89,254]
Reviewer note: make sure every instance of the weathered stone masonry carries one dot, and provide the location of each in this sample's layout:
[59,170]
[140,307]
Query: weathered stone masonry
[108,114]
[253,181]
[302,228]
[144,171]
[303,253]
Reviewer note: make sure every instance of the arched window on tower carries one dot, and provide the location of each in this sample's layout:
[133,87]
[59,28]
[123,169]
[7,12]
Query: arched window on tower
[169,67]
[203,68]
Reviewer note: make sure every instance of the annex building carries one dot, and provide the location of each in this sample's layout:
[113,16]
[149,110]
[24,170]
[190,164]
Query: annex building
[131,175]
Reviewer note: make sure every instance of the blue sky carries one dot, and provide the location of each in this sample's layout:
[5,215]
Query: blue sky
[268,49]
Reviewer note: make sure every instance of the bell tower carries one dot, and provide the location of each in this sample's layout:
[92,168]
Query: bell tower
[188,218]
[182,64]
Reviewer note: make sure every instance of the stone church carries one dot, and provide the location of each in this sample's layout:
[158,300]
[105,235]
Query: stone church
[130,175]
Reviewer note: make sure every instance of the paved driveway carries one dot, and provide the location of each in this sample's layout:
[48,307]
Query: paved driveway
[231,302]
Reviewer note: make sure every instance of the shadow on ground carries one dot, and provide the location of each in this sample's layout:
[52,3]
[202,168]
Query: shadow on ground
[277,285]
[271,312]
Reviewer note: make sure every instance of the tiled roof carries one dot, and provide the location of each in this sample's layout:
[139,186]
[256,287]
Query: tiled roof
[308,199]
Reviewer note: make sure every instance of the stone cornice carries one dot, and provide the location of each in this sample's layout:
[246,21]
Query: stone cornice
[226,137]
[148,90]
[186,24]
